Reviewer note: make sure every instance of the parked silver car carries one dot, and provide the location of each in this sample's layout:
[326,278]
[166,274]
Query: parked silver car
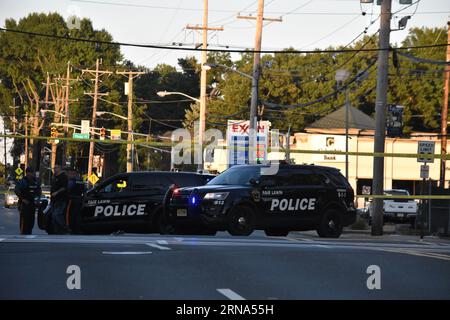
[11,199]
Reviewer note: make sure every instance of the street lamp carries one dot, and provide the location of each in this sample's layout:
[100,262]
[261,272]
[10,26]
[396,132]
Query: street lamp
[43,111]
[169,93]
[341,76]
[208,66]
[201,133]
[100,113]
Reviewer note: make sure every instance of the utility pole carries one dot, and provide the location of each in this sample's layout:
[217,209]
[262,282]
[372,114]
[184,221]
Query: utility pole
[66,110]
[444,113]
[256,71]
[4,144]
[380,120]
[37,161]
[96,73]
[66,80]
[14,115]
[26,139]
[202,119]
[130,147]
[287,155]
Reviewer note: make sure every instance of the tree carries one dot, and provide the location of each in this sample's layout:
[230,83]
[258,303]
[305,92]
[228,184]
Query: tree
[25,61]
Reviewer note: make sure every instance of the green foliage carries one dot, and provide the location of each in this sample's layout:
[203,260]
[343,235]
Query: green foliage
[289,79]
[286,79]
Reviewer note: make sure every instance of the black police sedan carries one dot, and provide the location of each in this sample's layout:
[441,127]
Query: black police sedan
[132,201]
[249,197]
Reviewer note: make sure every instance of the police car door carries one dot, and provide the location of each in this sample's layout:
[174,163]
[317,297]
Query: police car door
[307,189]
[149,190]
[277,199]
[107,202]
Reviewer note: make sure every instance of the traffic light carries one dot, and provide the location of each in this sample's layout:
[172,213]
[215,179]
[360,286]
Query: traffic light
[102,133]
[54,132]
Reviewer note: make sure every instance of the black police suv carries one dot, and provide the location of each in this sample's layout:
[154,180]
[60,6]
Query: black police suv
[132,201]
[248,197]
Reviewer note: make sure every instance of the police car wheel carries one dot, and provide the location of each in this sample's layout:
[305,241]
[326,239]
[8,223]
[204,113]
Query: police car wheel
[331,225]
[241,221]
[276,232]
[163,225]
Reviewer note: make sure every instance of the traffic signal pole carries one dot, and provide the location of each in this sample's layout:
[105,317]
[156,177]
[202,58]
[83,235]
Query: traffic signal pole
[130,147]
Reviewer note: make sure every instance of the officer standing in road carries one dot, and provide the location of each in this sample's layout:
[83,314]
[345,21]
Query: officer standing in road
[27,189]
[75,190]
[59,200]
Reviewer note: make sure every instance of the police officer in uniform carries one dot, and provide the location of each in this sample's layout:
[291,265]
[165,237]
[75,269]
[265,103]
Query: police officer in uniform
[75,189]
[59,200]
[27,190]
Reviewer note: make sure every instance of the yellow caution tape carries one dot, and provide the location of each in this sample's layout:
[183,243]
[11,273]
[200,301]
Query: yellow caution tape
[377,196]
[170,144]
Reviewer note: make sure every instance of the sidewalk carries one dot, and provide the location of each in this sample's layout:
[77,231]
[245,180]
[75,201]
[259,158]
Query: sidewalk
[389,234]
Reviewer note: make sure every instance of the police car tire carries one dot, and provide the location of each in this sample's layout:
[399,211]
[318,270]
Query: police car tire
[276,232]
[236,228]
[325,230]
[162,225]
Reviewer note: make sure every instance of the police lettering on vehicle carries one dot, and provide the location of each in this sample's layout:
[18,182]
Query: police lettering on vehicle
[293,204]
[120,210]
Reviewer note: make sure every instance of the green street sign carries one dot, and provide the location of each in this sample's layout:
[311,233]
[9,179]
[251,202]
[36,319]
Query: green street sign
[80,136]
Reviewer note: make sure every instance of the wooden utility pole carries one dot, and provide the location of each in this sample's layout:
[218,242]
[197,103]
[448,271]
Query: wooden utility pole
[130,147]
[26,139]
[14,115]
[444,113]
[256,73]
[57,97]
[204,29]
[67,80]
[96,73]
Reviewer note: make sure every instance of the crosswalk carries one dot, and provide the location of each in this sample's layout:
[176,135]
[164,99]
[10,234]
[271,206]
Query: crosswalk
[436,250]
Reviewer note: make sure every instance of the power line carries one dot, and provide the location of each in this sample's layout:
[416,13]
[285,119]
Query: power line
[113,43]
[325,97]
[332,32]
[224,10]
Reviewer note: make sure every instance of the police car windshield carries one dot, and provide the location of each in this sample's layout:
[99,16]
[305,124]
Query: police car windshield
[237,175]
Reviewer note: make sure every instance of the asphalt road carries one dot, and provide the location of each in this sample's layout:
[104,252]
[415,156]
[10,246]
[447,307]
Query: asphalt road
[300,266]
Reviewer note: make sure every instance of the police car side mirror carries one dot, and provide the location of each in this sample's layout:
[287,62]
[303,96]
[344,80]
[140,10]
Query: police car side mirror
[92,192]
[267,183]
[253,182]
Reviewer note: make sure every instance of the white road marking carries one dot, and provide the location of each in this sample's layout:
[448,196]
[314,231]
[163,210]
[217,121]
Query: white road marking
[301,239]
[157,246]
[30,237]
[322,246]
[126,252]
[230,294]
[422,242]
[420,254]
[219,241]
[162,242]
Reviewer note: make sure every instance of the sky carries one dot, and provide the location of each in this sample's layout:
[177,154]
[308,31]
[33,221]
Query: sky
[307,24]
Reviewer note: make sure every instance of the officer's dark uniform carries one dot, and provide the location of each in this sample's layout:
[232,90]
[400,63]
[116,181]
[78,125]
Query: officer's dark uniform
[75,191]
[27,189]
